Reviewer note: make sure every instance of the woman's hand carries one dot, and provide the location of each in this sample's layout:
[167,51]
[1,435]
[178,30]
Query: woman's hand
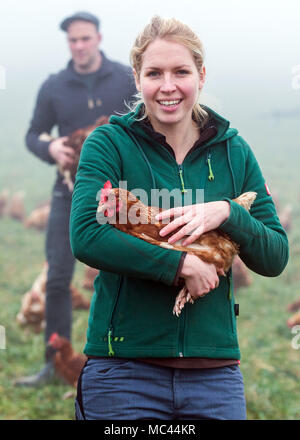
[200,277]
[195,219]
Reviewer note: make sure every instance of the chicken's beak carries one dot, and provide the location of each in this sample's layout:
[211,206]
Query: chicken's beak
[101,207]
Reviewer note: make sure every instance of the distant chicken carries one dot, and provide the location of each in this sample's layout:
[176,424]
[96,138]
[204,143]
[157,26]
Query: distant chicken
[78,300]
[33,303]
[294,306]
[16,208]
[241,274]
[213,247]
[68,364]
[75,140]
[38,218]
[32,312]
[285,217]
[294,320]
[89,276]
[3,202]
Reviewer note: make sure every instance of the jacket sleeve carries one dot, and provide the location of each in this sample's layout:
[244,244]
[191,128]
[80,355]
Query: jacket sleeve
[43,121]
[262,240]
[102,245]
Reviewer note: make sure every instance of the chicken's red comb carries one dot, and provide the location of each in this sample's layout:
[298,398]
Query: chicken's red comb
[105,191]
[107,184]
[53,337]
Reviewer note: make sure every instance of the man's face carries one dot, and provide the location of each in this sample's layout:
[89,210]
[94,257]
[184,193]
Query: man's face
[84,40]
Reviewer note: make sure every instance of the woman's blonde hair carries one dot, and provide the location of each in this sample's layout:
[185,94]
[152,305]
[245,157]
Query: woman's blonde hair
[174,30]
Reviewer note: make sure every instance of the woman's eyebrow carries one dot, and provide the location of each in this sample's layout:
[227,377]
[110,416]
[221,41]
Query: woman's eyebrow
[175,67]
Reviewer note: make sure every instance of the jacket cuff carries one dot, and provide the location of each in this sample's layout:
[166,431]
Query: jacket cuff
[177,276]
[232,226]
[43,148]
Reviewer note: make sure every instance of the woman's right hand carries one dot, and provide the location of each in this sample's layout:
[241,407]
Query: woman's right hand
[200,277]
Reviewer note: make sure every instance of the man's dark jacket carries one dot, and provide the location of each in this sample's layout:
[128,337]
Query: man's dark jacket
[67,100]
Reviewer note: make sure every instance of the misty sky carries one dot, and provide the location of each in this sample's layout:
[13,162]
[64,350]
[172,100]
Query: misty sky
[251,46]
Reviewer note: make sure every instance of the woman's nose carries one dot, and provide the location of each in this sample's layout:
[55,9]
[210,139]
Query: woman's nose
[168,85]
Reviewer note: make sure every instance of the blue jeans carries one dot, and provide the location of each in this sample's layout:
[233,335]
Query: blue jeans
[126,389]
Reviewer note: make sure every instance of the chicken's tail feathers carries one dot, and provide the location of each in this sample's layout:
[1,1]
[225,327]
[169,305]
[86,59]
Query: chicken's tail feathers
[246,199]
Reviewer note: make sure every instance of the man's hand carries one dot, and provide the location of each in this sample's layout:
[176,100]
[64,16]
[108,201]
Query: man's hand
[62,154]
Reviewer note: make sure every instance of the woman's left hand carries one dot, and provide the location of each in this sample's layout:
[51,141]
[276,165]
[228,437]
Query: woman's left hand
[195,219]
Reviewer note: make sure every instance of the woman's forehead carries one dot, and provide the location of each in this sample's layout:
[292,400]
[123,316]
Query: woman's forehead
[164,52]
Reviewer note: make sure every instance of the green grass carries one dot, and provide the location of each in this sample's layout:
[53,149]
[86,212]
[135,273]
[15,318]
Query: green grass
[271,367]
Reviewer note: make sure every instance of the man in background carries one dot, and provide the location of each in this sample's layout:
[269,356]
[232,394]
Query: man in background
[91,86]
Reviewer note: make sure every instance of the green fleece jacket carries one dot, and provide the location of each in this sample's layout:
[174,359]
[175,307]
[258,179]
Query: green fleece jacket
[131,310]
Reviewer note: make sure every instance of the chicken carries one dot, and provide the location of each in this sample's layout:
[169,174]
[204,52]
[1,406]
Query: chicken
[240,273]
[214,247]
[3,202]
[16,208]
[294,320]
[32,312]
[89,276]
[68,364]
[75,140]
[294,306]
[33,303]
[38,218]
[78,300]
[285,217]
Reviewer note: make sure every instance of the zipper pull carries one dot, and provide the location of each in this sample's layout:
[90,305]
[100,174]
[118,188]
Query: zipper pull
[211,176]
[90,103]
[110,350]
[183,190]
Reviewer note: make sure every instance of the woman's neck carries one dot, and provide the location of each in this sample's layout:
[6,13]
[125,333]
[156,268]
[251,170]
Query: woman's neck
[180,138]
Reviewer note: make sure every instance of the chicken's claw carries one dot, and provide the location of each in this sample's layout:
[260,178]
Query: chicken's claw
[182,298]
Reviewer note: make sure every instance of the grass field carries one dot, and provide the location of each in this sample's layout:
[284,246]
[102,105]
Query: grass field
[271,367]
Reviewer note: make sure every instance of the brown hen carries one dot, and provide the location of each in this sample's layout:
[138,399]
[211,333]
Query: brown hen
[75,140]
[68,364]
[128,214]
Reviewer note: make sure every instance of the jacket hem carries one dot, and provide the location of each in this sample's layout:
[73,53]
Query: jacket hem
[136,352]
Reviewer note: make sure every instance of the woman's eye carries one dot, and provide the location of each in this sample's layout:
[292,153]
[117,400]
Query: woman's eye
[182,72]
[153,73]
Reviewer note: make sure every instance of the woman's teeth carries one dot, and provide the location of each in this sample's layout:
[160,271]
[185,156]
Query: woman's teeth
[169,103]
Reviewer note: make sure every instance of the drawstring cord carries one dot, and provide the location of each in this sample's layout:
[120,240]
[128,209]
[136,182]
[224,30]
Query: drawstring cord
[211,175]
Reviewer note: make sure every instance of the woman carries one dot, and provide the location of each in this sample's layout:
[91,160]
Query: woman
[143,361]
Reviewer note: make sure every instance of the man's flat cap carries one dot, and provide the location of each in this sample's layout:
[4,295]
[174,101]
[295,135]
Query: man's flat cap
[85,16]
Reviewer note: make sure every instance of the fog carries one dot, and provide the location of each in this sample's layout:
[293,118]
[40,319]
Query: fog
[251,47]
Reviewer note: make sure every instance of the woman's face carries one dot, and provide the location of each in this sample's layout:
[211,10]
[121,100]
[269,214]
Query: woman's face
[170,83]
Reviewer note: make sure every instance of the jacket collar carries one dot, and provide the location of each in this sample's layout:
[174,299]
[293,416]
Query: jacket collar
[208,131]
[104,70]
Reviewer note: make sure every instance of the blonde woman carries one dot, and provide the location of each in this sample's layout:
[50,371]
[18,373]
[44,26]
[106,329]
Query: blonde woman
[144,362]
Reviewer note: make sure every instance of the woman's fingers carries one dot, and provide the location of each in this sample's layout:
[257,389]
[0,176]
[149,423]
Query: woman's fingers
[173,225]
[172,212]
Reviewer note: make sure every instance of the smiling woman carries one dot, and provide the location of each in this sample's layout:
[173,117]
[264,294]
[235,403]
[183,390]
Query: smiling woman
[140,355]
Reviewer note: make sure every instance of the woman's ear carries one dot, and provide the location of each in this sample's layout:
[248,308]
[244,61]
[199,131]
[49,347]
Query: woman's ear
[137,81]
[202,76]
